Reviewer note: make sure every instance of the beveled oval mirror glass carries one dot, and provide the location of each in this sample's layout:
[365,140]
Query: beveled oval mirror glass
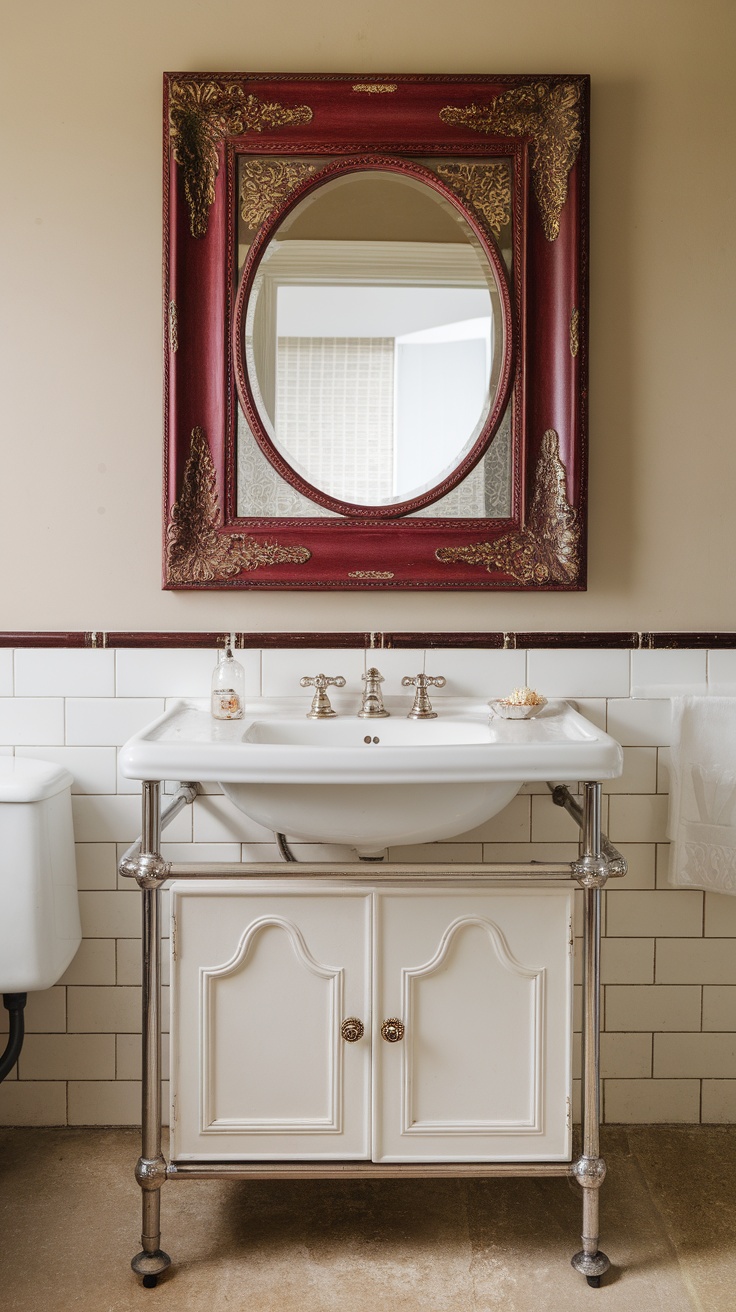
[373,339]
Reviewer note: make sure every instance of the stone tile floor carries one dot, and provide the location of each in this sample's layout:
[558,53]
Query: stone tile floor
[69,1217]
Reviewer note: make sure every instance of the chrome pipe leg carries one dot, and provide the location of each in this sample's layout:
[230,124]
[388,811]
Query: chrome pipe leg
[590,1169]
[150,1171]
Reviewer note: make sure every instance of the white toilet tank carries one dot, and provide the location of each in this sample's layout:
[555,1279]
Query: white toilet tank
[39,909]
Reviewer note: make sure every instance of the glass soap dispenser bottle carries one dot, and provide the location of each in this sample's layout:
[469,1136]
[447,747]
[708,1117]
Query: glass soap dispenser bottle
[228,685]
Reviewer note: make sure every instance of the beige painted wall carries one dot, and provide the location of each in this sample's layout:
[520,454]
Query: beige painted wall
[81,391]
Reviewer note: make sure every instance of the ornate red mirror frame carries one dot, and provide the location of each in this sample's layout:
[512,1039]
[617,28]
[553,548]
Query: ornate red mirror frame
[538,126]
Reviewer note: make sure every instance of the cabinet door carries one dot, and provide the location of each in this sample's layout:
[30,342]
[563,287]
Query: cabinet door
[262,980]
[481,979]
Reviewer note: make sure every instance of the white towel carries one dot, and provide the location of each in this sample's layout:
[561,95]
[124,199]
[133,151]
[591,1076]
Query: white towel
[702,820]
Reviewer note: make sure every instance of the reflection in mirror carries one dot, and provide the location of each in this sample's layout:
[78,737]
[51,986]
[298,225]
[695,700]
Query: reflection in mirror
[373,347]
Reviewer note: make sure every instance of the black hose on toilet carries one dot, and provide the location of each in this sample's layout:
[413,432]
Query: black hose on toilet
[14,1004]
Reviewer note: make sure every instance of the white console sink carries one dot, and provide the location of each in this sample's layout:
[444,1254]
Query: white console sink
[370,783]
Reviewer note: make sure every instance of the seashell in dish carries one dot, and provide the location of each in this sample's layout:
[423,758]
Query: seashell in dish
[522,704]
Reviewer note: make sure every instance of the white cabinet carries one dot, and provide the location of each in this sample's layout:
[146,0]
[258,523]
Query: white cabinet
[265,972]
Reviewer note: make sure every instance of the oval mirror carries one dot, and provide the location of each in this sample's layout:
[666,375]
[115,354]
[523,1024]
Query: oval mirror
[373,339]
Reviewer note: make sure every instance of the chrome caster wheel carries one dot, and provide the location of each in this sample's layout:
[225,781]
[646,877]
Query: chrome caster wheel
[594,1281]
[150,1282]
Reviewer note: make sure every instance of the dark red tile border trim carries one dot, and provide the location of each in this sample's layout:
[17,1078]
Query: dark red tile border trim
[480,641]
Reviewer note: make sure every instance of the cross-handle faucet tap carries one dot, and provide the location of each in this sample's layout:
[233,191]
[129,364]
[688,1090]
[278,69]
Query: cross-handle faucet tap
[320,708]
[422,708]
[372,707]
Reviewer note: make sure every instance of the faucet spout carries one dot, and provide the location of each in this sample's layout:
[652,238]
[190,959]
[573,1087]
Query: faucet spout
[372,707]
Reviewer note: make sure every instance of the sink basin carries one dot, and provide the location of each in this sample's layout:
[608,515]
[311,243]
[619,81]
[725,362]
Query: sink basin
[370,783]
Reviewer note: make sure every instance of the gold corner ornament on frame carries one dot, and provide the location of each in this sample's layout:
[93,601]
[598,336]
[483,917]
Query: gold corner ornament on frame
[201,115]
[196,552]
[550,115]
[547,549]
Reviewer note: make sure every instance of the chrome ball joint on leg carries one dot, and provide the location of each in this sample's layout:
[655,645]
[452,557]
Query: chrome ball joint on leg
[590,1172]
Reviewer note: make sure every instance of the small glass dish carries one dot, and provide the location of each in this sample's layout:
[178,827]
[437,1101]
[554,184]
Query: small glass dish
[504,710]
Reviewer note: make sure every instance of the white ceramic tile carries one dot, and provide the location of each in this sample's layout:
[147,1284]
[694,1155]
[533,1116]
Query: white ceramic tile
[637,819]
[67,1056]
[110,914]
[663,913]
[447,854]
[257,853]
[178,672]
[667,673]
[708,1056]
[697,961]
[102,1010]
[626,961]
[93,768]
[651,1102]
[719,1102]
[41,1102]
[639,774]
[641,860]
[570,672]
[118,820]
[94,963]
[552,824]
[96,865]
[284,667]
[32,720]
[97,1102]
[45,1012]
[128,961]
[626,1056]
[645,723]
[480,674]
[128,1057]
[510,825]
[720,915]
[719,1007]
[722,673]
[664,759]
[503,853]
[216,820]
[649,1007]
[64,672]
[108,721]
[200,851]
[6,672]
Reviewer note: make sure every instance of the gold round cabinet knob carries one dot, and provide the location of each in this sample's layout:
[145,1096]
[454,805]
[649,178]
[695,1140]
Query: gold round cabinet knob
[352,1029]
[392,1030]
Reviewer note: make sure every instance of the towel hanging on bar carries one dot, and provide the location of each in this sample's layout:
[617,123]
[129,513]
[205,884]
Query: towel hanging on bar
[702,817]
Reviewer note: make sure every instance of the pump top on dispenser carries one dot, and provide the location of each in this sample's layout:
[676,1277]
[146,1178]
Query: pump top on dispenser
[228,686]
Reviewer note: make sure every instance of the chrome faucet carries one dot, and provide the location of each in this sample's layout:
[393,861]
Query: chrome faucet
[321,709]
[372,707]
[422,708]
